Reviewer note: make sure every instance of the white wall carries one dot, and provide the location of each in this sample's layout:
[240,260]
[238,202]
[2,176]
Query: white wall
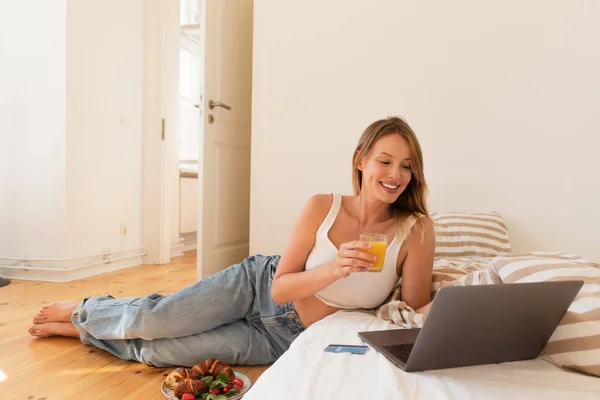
[32,135]
[104,124]
[504,97]
[71,139]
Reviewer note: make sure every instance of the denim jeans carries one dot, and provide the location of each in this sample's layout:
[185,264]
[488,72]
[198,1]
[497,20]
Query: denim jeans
[230,316]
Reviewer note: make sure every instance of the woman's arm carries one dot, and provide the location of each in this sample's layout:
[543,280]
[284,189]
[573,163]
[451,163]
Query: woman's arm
[291,282]
[418,265]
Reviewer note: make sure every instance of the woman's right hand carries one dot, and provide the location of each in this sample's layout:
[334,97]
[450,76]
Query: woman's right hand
[352,257]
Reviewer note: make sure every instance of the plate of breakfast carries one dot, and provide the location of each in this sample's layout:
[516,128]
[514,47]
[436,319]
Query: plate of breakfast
[208,380]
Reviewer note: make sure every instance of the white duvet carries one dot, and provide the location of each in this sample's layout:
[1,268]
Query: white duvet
[305,371]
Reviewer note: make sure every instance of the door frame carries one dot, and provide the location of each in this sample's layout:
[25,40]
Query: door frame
[160,129]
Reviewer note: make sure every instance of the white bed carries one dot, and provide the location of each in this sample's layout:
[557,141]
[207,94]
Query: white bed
[305,371]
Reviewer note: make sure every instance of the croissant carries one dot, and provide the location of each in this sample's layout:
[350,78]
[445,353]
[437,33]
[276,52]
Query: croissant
[192,386]
[213,367]
[178,375]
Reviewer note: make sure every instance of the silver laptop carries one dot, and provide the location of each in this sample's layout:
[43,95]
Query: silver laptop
[474,325]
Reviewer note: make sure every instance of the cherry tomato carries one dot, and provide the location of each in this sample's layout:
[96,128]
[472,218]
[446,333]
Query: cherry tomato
[226,388]
[215,391]
[237,387]
[238,382]
[188,396]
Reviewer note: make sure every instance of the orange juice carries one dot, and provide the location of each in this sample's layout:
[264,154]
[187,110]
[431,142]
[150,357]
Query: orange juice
[379,245]
[378,250]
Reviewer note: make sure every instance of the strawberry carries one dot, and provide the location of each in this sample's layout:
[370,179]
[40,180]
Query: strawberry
[238,382]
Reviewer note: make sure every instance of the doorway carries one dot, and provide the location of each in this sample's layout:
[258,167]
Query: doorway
[191,73]
[202,84]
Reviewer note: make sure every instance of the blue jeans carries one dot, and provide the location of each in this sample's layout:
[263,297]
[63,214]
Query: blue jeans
[230,316]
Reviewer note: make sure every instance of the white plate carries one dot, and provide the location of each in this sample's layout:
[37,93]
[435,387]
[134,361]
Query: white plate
[169,394]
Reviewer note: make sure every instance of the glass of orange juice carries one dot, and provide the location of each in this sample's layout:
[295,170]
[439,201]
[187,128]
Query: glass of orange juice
[379,245]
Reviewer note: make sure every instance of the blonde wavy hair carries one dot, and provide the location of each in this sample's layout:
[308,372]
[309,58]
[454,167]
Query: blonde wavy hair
[413,200]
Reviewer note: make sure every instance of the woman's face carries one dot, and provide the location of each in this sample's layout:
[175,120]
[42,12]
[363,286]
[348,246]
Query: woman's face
[386,169]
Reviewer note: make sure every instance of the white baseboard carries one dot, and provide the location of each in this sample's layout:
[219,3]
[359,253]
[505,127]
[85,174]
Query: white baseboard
[177,248]
[67,274]
[183,244]
[70,269]
[192,245]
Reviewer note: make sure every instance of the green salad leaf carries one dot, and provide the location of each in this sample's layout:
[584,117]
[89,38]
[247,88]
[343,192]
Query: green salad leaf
[222,377]
[219,382]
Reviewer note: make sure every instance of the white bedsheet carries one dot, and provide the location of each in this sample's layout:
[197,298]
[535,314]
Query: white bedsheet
[305,371]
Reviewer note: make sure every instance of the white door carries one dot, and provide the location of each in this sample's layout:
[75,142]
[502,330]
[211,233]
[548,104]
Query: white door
[224,184]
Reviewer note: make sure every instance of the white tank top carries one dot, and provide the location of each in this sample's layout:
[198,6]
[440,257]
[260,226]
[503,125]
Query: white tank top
[360,289]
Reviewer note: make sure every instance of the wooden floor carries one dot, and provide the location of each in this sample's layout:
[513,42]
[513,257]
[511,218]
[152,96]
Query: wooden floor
[63,368]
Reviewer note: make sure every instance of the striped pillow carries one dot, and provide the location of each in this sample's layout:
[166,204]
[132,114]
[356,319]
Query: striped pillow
[575,343]
[470,234]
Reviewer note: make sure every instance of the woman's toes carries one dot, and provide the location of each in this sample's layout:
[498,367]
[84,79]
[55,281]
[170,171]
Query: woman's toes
[32,330]
[59,311]
[40,334]
[41,316]
[43,310]
[38,319]
[54,329]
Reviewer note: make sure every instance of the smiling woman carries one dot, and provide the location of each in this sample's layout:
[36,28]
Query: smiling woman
[272,299]
[389,155]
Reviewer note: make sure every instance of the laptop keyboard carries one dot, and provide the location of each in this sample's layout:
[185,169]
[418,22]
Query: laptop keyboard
[401,351]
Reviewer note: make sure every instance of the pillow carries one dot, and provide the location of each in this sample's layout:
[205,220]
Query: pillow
[470,234]
[575,343]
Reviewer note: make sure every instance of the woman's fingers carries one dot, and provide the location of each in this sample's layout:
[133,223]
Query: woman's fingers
[362,255]
[356,245]
[353,257]
[356,263]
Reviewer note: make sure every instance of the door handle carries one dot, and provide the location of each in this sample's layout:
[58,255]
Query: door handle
[213,104]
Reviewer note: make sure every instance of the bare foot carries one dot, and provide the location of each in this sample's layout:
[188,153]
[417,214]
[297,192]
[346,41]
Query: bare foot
[59,311]
[53,329]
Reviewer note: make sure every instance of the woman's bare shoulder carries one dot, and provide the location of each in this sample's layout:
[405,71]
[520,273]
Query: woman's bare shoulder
[419,239]
[423,224]
[317,206]
[321,200]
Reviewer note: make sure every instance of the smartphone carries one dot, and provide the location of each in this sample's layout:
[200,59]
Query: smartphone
[346,348]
